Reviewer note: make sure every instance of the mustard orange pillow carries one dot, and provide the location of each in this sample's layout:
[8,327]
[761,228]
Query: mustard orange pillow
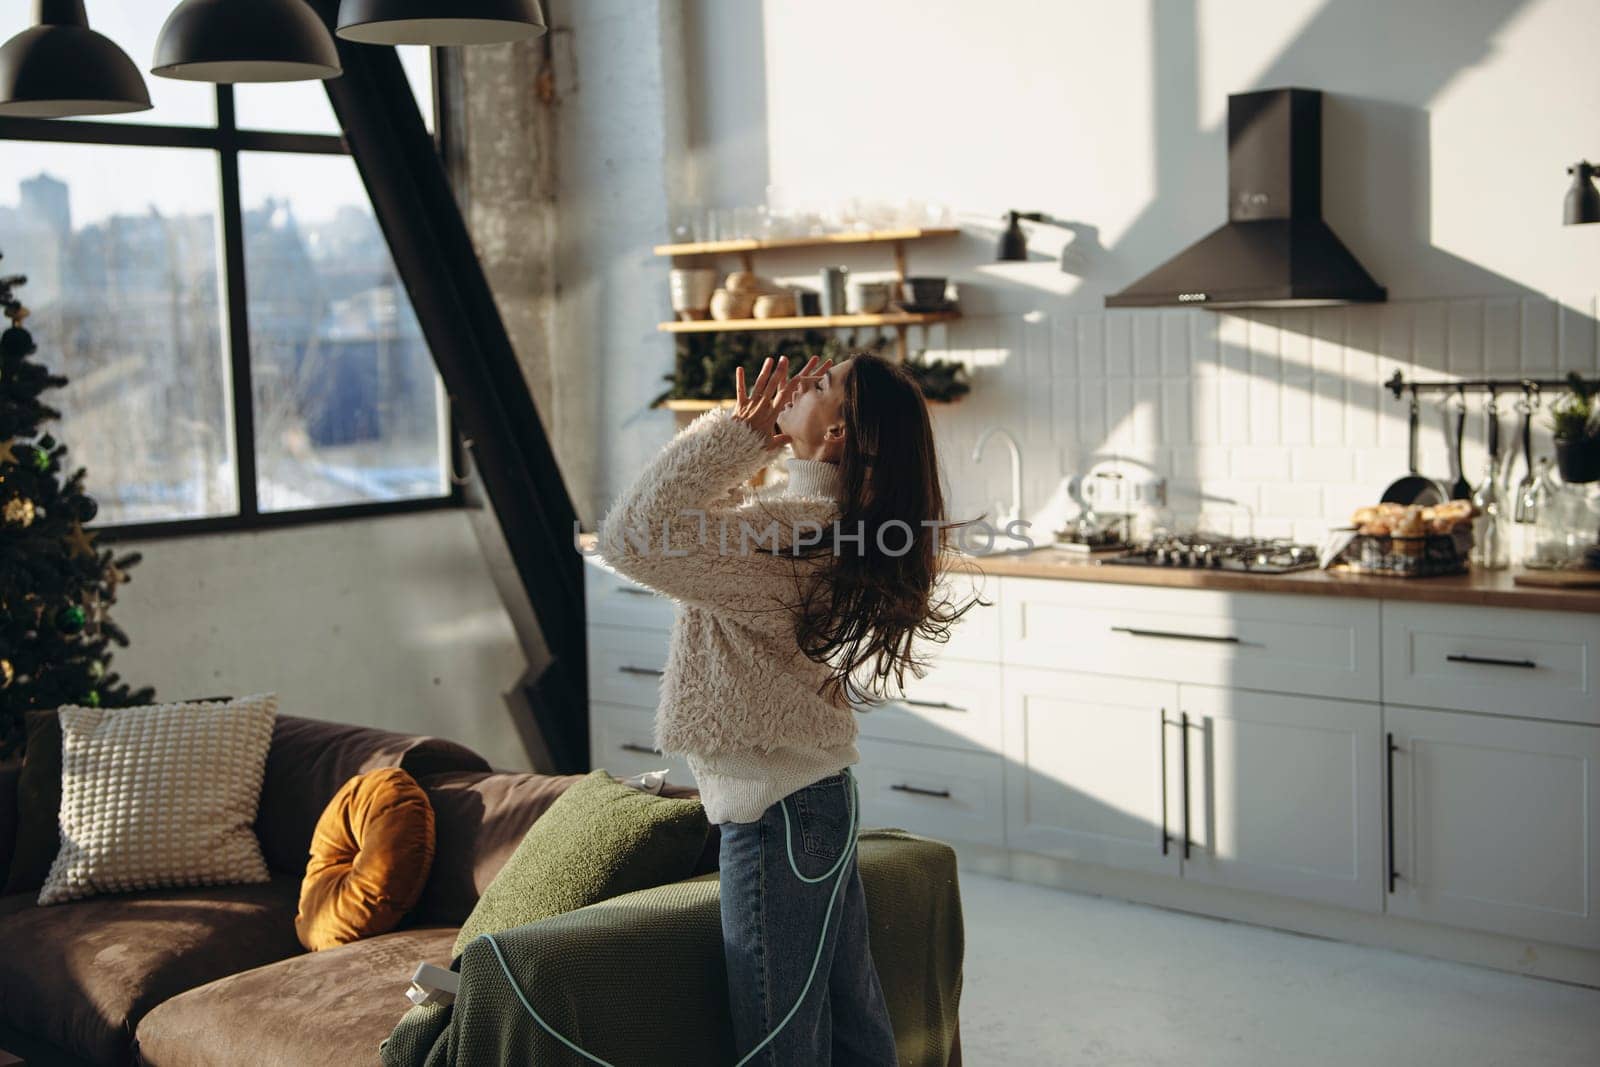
[370,856]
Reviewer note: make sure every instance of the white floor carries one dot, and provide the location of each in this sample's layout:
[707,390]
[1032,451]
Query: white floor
[1060,978]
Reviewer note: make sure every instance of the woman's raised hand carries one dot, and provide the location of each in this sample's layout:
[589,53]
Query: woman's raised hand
[759,408]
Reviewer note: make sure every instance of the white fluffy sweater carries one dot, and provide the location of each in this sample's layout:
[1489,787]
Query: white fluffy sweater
[738,697]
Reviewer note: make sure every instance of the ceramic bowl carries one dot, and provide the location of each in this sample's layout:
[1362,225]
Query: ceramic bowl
[870,298]
[924,291]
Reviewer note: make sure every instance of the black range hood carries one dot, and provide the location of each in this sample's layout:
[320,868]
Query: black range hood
[1274,250]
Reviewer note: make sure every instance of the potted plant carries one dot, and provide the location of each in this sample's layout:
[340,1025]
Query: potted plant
[941,380]
[1575,422]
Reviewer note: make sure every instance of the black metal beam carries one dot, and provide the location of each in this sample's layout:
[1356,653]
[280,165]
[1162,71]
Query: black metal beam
[142,135]
[237,297]
[433,252]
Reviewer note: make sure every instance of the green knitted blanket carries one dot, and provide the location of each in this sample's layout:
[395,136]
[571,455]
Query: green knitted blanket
[639,980]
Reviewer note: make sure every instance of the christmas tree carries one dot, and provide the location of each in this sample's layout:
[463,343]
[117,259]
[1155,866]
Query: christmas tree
[55,586]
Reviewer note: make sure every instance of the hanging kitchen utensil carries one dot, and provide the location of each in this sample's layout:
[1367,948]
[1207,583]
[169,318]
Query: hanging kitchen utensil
[1455,422]
[1414,488]
[1522,513]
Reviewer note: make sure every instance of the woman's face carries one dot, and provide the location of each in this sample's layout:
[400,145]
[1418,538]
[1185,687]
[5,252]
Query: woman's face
[812,417]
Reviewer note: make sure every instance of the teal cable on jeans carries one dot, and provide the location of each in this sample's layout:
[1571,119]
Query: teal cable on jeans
[788,838]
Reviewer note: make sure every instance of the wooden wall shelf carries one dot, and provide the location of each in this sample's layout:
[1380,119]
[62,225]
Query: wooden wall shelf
[745,249]
[753,244]
[809,322]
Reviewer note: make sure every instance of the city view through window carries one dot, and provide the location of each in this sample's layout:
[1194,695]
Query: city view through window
[123,248]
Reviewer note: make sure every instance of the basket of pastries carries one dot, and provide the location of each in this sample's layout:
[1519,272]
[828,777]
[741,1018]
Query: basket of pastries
[1411,540]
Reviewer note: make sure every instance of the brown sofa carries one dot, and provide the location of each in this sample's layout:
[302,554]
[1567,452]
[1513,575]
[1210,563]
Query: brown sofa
[92,981]
[215,974]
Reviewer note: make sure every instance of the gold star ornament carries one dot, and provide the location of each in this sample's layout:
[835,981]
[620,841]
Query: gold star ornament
[80,541]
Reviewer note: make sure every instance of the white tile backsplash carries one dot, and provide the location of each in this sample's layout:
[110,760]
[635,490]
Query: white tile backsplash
[1270,421]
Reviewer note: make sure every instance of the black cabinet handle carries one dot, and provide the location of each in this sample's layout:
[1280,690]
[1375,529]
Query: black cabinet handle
[942,704]
[1490,661]
[628,668]
[1183,754]
[629,746]
[1161,742]
[1388,813]
[920,792]
[1173,635]
[631,591]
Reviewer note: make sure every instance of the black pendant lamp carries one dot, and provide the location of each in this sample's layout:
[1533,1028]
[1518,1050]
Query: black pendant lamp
[259,41]
[61,67]
[439,22]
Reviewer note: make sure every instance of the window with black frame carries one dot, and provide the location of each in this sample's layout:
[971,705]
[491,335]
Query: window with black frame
[211,278]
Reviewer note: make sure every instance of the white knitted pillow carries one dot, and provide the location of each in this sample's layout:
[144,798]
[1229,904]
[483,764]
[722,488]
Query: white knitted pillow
[160,795]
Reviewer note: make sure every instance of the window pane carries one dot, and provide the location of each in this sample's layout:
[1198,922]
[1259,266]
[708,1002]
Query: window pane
[302,107]
[135,25]
[120,249]
[348,406]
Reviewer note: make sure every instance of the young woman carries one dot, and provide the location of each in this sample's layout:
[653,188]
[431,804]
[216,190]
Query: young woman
[788,598]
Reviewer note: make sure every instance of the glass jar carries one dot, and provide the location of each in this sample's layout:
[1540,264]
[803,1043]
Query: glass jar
[1567,520]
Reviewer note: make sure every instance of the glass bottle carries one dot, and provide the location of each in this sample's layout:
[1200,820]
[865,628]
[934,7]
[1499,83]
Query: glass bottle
[1536,504]
[1491,549]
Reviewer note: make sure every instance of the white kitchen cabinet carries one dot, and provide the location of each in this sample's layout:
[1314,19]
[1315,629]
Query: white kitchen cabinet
[943,793]
[1085,761]
[956,704]
[975,636]
[1507,661]
[1496,824]
[622,741]
[1313,645]
[1285,795]
[611,599]
[626,666]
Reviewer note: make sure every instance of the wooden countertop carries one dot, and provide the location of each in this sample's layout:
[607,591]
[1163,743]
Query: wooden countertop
[1480,588]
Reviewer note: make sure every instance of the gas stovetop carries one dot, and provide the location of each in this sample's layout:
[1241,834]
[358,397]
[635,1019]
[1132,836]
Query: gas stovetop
[1221,553]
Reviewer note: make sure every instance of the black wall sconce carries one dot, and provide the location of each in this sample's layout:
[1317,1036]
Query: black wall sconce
[1013,242]
[1583,199]
[1077,255]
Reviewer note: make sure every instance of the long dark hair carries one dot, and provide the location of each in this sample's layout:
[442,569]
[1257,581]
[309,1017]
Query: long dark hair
[876,600]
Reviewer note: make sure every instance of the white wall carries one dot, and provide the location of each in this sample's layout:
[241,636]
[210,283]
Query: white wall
[389,622]
[1447,130]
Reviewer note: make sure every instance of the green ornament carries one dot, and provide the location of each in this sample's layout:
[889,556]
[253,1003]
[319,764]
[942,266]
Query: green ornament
[93,699]
[97,670]
[40,460]
[69,620]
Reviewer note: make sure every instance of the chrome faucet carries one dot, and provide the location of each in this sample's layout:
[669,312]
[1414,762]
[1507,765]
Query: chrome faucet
[1015,511]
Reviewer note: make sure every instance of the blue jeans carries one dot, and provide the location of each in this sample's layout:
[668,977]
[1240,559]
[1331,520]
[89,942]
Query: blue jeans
[772,923]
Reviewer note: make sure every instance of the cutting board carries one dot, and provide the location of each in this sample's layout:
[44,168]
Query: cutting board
[1585,579]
